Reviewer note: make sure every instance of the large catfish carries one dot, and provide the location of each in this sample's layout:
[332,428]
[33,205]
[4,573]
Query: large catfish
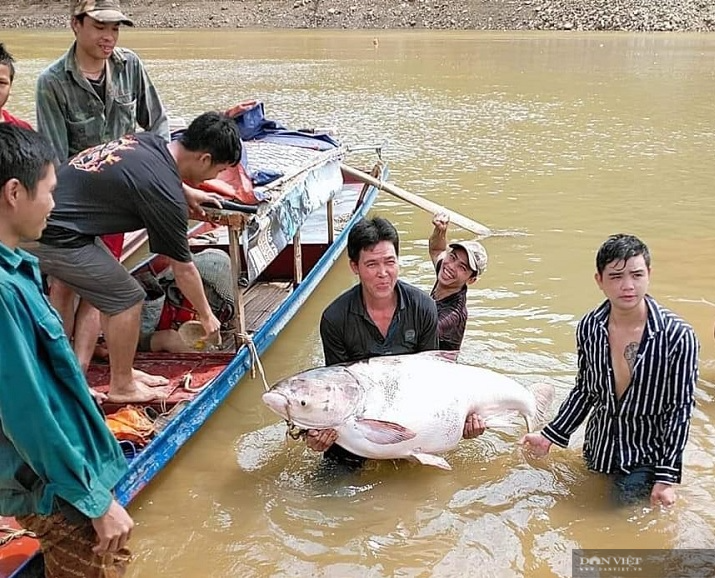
[403,406]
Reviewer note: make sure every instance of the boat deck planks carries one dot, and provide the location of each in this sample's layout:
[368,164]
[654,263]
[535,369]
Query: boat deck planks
[263,299]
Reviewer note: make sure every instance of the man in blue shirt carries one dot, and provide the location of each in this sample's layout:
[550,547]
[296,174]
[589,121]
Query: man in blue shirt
[58,461]
[637,369]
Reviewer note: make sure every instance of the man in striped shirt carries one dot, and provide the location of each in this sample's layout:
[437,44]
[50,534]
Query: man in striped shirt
[637,369]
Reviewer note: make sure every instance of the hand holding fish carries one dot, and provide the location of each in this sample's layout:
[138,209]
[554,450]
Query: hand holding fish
[662,494]
[536,443]
[320,440]
[474,426]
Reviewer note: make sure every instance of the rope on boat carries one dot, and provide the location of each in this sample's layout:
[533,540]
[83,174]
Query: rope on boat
[13,533]
[247,340]
[293,431]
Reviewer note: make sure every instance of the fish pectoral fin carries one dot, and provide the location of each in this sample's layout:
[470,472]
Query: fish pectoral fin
[432,460]
[383,432]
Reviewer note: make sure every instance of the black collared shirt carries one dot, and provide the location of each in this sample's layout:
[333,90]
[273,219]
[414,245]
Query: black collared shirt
[349,334]
[649,425]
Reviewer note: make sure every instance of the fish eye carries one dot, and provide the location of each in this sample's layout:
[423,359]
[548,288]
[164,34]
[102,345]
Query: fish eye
[302,402]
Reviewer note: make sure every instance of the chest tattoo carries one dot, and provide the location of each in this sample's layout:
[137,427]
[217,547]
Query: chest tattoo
[630,352]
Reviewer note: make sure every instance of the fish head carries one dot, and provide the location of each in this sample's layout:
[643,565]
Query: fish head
[319,398]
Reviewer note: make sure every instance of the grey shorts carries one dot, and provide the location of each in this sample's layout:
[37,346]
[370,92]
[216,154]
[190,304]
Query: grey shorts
[93,272]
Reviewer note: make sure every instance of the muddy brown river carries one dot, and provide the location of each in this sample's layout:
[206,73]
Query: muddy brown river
[553,140]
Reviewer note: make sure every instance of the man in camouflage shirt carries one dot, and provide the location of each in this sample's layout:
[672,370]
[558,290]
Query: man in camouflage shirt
[457,266]
[95,93]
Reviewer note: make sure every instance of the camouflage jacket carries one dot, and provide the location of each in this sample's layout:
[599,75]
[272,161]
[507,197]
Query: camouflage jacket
[74,118]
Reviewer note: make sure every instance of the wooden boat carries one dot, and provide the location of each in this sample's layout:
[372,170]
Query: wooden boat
[278,257]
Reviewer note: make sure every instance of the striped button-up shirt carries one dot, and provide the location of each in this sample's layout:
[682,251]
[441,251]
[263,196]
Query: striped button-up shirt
[649,425]
[74,118]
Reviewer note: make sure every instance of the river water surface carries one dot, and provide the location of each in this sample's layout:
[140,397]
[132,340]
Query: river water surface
[553,140]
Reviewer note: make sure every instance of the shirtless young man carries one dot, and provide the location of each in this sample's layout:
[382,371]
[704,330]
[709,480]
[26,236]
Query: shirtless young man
[637,369]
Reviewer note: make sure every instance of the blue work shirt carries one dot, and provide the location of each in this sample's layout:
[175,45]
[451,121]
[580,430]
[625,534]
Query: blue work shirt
[48,419]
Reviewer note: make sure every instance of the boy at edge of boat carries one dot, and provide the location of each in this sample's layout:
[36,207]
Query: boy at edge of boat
[59,462]
[7,77]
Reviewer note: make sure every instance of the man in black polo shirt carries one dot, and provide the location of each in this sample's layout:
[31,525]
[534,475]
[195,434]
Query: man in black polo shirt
[457,266]
[381,315]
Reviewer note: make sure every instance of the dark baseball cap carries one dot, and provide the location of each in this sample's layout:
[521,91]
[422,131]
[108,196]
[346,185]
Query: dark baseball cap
[104,11]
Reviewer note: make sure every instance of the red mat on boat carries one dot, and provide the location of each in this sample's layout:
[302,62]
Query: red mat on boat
[174,366]
[16,551]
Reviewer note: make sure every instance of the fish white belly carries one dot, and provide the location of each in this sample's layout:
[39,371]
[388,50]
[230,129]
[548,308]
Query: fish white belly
[432,399]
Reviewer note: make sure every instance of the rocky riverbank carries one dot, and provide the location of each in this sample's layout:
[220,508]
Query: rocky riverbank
[617,15]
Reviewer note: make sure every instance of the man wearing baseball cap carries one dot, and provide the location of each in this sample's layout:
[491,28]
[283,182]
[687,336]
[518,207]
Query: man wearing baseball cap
[101,11]
[95,93]
[457,265]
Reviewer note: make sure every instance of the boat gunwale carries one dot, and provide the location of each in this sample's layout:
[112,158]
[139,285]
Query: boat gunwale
[145,466]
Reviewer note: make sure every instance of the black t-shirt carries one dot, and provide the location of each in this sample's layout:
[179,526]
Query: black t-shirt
[121,186]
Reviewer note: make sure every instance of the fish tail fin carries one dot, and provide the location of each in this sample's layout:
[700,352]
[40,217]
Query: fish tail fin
[544,396]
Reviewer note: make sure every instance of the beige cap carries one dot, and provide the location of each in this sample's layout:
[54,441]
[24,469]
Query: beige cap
[476,255]
[104,11]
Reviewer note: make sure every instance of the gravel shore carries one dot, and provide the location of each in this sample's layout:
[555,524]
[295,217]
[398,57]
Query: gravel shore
[617,15]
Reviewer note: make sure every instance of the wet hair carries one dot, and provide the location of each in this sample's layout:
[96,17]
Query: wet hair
[25,155]
[214,133]
[621,247]
[7,59]
[367,233]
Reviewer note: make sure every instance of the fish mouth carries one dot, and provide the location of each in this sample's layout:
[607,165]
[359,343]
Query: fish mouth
[277,402]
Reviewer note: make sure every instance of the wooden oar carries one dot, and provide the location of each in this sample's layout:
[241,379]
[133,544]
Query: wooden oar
[421,202]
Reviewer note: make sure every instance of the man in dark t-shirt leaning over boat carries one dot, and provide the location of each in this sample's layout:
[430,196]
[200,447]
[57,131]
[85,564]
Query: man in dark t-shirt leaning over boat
[381,315]
[457,265]
[128,184]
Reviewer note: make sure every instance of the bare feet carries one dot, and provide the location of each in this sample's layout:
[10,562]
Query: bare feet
[98,396]
[141,393]
[148,379]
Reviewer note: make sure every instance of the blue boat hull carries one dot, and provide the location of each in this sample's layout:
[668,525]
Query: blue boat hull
[152,459]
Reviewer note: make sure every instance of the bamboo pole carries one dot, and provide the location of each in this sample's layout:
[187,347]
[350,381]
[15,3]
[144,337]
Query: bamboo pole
[429,206]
